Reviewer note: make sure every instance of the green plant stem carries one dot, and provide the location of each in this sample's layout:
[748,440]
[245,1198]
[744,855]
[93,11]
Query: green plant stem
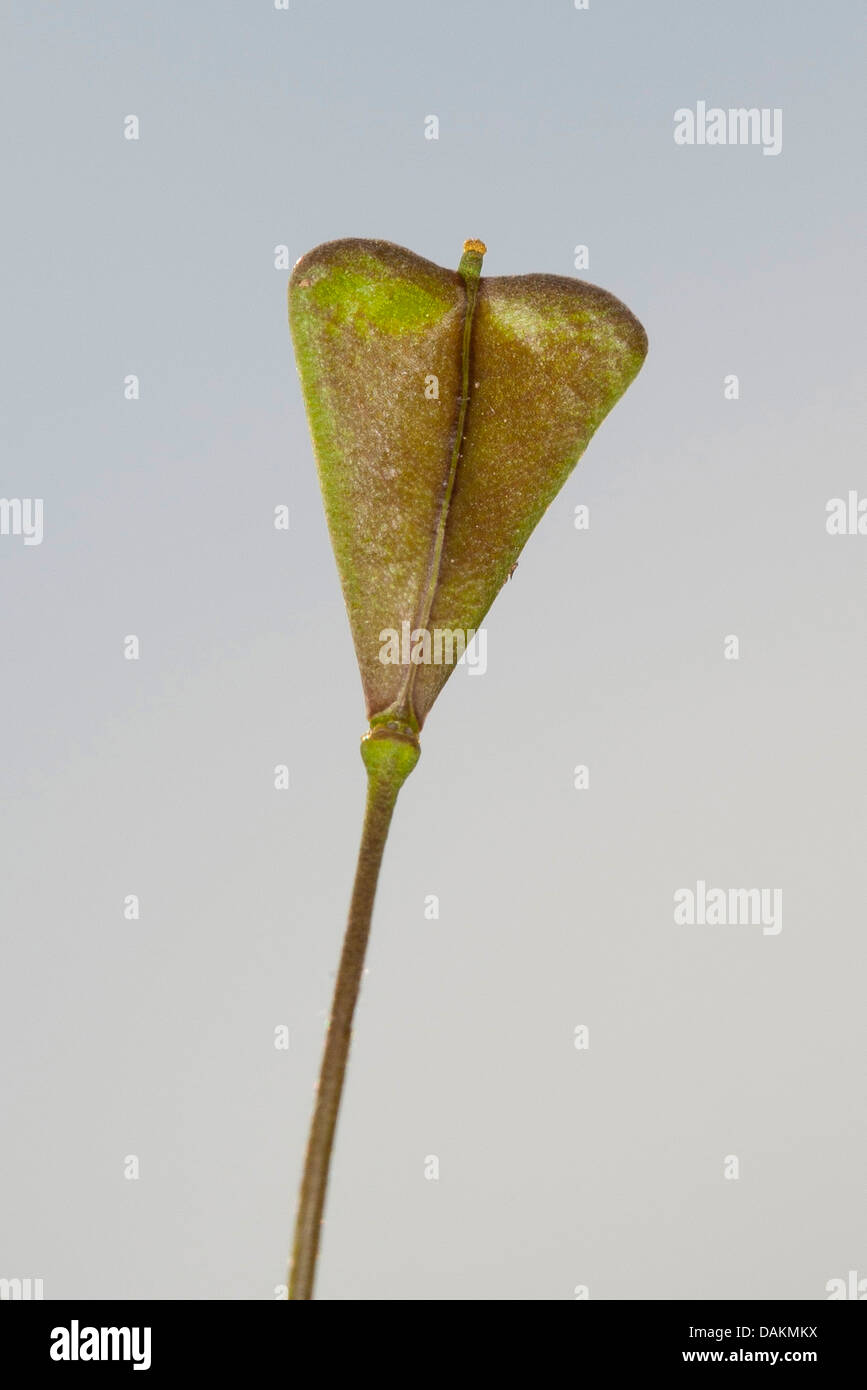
[389,759]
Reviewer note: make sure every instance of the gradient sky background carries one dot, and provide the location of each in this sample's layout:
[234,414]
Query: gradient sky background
[557,1167]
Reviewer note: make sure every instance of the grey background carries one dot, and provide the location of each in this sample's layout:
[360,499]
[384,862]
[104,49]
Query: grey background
[155,1038]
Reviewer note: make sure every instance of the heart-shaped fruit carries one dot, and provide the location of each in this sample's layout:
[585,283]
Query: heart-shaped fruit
[447,410]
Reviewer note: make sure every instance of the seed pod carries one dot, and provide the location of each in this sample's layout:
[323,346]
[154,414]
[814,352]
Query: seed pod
[432,492]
